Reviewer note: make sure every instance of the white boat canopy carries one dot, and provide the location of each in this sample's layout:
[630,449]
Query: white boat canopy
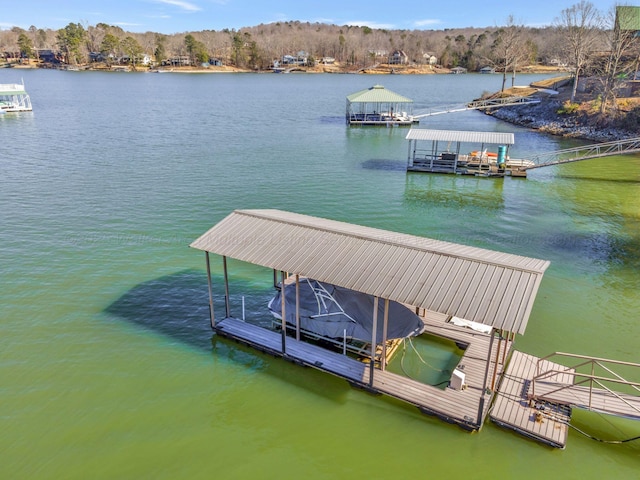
[484,286]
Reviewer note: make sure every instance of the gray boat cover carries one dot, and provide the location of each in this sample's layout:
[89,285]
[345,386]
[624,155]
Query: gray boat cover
[328,310]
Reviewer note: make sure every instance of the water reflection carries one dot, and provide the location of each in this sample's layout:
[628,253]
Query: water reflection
[454,191]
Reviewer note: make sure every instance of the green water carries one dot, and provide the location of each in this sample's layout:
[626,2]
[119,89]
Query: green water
[108,368]
[427,359]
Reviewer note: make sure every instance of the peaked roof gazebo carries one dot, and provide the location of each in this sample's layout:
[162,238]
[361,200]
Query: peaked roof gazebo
[378,106]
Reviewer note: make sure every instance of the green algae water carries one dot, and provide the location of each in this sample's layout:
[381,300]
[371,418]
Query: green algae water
[108,368]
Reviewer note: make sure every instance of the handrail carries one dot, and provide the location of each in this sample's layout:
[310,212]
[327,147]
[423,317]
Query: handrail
[576,154]
[587,357]
[479,104]
[590,378]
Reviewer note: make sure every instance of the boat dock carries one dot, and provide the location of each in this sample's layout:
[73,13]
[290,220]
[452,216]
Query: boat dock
[377,106]
[513,408]
[479,299]
[14,98]
[444,153]
[466,407]
[536,396]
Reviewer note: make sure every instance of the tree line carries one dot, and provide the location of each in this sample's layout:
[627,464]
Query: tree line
[585,40]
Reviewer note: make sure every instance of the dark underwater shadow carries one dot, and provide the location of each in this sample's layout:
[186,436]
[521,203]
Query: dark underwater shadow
[176,306]
[333,120]
[384,164]
[589,178]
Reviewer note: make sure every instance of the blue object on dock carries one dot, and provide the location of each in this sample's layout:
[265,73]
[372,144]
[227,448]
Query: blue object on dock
[502,155]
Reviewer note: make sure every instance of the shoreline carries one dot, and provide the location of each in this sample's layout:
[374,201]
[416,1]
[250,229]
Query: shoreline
[543,117]
[549,117]
[380,69]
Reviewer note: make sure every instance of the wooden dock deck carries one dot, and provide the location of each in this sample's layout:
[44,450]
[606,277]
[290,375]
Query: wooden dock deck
[512,409]
[467,408]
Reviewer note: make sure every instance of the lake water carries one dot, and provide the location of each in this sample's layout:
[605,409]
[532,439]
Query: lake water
[108,367]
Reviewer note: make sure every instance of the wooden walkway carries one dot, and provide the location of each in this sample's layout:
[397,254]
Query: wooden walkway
[467,408]
[539,420]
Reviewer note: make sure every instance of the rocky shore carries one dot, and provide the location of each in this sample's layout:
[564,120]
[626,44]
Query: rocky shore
[547,116]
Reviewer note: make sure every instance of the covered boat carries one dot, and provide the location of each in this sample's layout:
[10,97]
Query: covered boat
[330,311]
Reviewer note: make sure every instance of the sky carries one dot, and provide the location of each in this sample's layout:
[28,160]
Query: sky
[177,16]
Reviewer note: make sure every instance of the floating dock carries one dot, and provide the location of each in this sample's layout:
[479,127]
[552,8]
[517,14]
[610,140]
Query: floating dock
[379,106]
[478,298]
[441,151]
[513,409]
[466,407]
[536,396]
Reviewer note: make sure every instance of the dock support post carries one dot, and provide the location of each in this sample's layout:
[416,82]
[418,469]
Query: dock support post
[226,288]
[297,307]
[484,383]
[495,369]
[284,318]
[211,315]
[383,362]
[373,340]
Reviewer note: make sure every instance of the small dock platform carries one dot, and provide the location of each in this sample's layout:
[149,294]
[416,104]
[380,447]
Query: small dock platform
[545,422]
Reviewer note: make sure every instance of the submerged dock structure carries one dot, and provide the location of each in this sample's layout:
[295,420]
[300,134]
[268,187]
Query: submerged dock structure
[478,298]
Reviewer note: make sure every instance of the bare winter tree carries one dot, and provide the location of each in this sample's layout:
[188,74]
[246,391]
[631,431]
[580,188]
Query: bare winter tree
[581,26]
[622,54]
[507,50]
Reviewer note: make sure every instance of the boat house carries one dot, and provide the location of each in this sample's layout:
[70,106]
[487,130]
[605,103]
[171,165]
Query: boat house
[477,298]
[379,106]
[460,152]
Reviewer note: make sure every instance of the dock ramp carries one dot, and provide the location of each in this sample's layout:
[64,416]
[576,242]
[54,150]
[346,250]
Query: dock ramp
[537,395]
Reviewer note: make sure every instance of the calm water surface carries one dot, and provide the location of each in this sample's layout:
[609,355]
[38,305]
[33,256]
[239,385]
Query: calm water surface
[108,368]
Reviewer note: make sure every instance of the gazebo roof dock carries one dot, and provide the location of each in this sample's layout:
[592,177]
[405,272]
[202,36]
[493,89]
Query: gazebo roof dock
[379,106]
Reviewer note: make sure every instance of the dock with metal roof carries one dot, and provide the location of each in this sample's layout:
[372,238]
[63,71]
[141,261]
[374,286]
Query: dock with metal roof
[379,106]
[441,151]
[478,298]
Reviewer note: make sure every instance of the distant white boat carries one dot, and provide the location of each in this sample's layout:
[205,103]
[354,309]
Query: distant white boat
[14,98]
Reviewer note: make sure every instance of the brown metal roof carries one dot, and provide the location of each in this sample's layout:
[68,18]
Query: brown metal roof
[485,286]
